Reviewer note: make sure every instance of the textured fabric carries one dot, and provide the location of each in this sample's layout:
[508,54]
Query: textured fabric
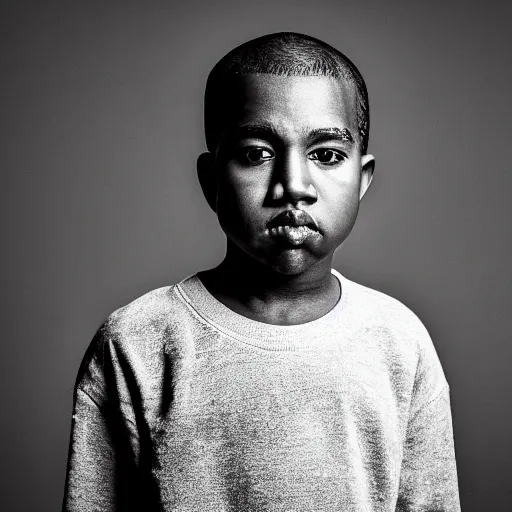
[183,405]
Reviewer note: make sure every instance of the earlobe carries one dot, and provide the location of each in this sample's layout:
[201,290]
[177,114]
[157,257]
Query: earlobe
[367,170]
[207,179]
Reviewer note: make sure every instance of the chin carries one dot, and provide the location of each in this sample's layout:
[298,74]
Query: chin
[291,262]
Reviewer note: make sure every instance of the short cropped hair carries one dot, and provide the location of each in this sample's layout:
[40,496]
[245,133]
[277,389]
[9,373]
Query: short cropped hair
[285,54]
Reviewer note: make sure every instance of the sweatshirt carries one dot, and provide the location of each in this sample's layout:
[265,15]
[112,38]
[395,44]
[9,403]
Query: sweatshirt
[181,404]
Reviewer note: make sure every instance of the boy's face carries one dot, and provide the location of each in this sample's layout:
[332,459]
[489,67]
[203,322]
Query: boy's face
[288,175]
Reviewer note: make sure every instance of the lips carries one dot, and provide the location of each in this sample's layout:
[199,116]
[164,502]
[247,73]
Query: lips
[293,227]
[293,218]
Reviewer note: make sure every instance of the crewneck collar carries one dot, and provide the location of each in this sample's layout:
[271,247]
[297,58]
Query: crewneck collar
[260,334]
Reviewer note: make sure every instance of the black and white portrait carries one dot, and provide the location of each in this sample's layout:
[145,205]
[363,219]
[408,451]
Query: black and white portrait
[256,256]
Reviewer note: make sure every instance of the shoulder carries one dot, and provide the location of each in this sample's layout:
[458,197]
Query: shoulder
[136,336]
[159,311]
[147,311]
[378,309]
[143,325]
[399,330]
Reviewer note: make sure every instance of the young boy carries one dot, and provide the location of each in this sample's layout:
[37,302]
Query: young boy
[271,382]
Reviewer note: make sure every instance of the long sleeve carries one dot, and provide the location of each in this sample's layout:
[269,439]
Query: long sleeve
[102,474]
[428,480]
[91,478]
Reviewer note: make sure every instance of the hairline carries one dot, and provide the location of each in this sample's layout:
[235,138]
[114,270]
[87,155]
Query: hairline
[349,83]
[328,62]
[352,88]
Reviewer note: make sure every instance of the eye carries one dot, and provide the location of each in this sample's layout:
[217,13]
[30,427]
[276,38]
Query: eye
[256,156]
[327,156]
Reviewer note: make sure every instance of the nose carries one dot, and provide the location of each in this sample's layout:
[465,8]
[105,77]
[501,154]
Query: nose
[293,182]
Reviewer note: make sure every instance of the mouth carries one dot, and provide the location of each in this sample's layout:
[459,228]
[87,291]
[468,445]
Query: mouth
[293,227]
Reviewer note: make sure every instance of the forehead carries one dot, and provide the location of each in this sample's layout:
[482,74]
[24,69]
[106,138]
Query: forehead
[293,104]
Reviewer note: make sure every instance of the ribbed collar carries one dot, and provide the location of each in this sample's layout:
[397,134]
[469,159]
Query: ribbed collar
[259,334]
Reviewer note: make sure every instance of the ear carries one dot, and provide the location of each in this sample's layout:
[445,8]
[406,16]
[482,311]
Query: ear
[367,169]
[208,178]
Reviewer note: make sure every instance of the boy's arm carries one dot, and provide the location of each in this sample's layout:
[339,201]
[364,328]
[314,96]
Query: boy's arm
[101,471]
[428,479]
[91,472]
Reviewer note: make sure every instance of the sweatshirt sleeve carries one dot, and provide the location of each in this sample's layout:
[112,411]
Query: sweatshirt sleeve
[428,479]
[101,470]
[91,474]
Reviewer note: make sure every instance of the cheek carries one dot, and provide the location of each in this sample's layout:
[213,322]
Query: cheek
[341,203]
[237,202]
[344,214]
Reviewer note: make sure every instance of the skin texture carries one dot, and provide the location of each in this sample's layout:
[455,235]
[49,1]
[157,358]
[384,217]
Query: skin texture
[290,143]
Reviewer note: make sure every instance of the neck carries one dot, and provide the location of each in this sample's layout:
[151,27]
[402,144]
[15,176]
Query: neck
[261,293]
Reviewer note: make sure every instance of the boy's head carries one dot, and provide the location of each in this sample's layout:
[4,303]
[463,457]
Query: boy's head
[286,122]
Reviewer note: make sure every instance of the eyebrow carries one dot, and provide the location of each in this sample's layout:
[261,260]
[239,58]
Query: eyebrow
[341,134]
[315,135]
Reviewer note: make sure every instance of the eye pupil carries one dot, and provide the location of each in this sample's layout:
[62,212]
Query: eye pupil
[326,155]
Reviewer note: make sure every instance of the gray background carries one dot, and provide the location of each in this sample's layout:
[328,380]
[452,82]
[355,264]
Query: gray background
[101,123]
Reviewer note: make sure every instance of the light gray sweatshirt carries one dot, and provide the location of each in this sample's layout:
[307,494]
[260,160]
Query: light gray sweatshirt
[183,405]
